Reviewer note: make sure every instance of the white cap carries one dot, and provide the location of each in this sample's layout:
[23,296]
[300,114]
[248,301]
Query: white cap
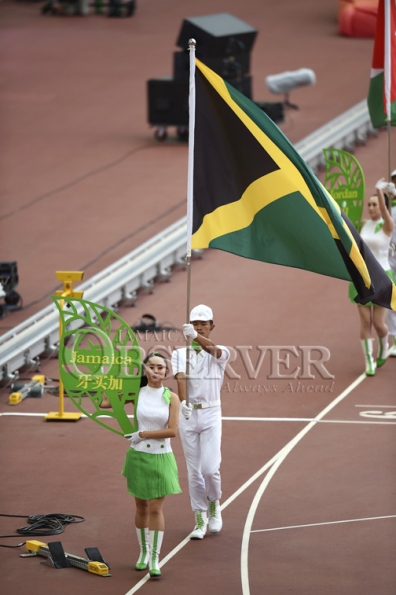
[201,312]
[393,173]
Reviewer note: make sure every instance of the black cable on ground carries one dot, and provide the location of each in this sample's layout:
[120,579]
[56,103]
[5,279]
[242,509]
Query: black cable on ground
[42,524]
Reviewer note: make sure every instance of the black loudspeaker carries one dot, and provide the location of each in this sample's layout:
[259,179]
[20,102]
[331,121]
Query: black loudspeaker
[242,83]
[167,102]
[217,35]
[274,110]
[224,67]
[9,275]
[168,99]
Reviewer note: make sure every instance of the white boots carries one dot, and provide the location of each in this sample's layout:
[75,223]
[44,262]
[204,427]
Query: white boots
[156,538]
[143,539]
[383,347]
[150,546]
[392,351]
[203,519]
[215,520]
[367,345]
[201,523]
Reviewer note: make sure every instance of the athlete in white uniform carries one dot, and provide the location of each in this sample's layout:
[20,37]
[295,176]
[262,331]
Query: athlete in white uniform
[200,421]
[376,232]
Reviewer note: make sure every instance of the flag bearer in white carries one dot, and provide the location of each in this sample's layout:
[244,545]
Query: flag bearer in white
[200,420]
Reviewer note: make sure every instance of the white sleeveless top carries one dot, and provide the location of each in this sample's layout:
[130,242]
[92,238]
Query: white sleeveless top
[152,414]
[378,242]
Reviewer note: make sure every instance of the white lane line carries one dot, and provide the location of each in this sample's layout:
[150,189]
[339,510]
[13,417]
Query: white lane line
[300,419]
[161,564]
[16,414]
[370,518]
[278,419]
[380,406]
[285,451]
[308,419]
[19,414]
[223,506]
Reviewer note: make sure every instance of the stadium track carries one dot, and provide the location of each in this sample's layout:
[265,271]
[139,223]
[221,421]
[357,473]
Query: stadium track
[77,152]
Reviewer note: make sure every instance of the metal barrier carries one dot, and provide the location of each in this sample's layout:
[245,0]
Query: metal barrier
[154,260]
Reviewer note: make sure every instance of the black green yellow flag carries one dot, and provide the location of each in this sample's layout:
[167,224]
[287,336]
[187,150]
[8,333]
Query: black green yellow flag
[254,196]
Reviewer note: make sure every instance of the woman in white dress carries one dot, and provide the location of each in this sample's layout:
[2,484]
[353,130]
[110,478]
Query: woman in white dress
[150,466]
[376,233]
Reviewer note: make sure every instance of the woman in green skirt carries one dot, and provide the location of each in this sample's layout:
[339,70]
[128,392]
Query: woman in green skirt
[150,466]
[376,233]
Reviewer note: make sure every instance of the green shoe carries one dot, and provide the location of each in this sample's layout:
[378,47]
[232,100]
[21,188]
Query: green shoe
[367,345]
[155,548]
[383,346]
[144,545]
[380,362]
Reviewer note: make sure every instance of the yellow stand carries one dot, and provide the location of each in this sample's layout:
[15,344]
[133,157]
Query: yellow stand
[67,277]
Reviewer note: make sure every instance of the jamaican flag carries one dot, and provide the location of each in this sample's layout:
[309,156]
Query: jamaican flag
[254,196]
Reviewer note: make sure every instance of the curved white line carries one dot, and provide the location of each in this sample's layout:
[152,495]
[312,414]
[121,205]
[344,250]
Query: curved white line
[235,495]
[223,506]
[282,455]
[369,518]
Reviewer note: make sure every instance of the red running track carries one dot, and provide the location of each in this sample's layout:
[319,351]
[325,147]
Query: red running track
[308,475]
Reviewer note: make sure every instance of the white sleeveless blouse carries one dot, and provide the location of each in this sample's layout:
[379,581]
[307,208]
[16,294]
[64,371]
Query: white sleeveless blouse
[152,414]
[377,241]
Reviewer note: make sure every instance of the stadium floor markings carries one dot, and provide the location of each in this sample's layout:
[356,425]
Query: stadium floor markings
[262,419]
[279,460]
[378,406]
[311,419]
[233,497]
[272,465]
[372,518]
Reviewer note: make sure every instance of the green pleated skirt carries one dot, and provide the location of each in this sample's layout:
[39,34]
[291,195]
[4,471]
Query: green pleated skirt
[352,293]
[151,476]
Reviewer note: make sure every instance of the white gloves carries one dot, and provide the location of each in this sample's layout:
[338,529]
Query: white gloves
[189,331]
[381,184]
[186,409]
[391,189]
[134,438]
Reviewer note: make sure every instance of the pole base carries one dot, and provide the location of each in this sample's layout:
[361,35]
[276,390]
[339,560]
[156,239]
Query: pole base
[56,416]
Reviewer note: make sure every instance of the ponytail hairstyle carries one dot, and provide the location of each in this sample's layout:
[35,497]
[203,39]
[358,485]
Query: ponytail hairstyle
[143,378]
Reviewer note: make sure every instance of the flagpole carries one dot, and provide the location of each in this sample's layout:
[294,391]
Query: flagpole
[388,79]
[388,125]
[190,189]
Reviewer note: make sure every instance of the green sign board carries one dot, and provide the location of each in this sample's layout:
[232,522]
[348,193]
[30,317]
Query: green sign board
[344,180]
[99,362]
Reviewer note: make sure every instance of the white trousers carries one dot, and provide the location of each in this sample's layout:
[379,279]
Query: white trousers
[201,441]
[391,322]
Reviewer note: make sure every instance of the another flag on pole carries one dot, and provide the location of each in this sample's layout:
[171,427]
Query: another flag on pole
[256,197]
[381,98]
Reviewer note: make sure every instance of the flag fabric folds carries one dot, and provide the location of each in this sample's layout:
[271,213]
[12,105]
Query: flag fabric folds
[254,196]
[381,98]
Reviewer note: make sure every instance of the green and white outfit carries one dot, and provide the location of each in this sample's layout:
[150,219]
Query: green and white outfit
[378,242]
[150,466]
